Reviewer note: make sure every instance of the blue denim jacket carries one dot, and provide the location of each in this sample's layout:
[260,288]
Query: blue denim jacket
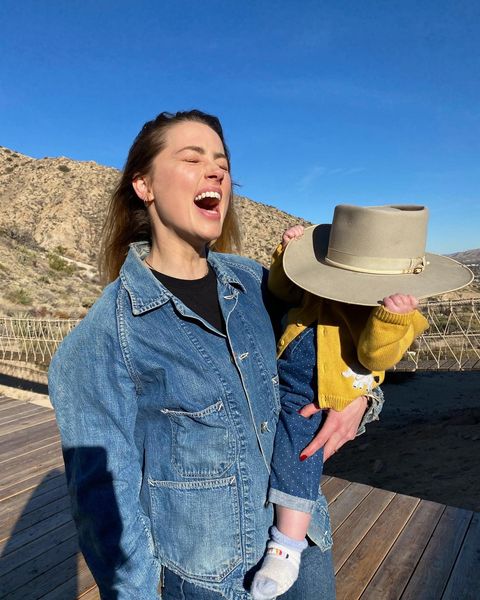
[167,428]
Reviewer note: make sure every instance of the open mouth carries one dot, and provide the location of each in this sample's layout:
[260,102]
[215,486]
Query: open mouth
[208,203]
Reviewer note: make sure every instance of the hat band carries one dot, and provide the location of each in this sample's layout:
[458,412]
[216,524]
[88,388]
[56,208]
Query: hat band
[371,264]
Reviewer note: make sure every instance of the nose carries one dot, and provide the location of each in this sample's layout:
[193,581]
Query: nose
[215,172]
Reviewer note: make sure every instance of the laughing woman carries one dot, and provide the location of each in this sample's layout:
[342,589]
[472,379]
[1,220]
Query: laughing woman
[166,394]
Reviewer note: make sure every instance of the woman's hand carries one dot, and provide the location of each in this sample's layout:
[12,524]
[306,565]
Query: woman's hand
[339,427]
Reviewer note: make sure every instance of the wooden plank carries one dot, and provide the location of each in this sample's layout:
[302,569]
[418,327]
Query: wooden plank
[358,569]
[448,364]
[427,365]
[28,535]
[12,561]
[456,368]
[19,505]
[30,520]
[82,582]
[19,424]
[14,412]
[31,446]
[432,572]
[8,402]
[20,439]
[464,582]
[22,461]
[471,364]
[334,487]
[32,481]
[27,434]
[47,580]
[23,467]
[93,594]
[352,531]
[345,504]
[395,571]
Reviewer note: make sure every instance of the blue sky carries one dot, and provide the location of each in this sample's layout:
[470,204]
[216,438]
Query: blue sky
[322,102]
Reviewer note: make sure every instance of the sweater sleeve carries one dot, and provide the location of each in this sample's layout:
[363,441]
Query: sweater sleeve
[279,284]
[387,336]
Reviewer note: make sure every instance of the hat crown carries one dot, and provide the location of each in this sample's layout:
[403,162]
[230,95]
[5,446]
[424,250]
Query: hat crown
[386,239]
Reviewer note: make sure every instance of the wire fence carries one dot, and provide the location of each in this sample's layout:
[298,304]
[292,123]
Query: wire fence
[451,343]
[32,340]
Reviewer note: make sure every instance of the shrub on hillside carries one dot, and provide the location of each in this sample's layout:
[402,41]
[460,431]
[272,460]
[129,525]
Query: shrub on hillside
[59,264]
[19,296]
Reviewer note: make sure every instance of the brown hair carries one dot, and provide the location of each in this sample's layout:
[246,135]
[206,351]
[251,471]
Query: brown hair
[127,219]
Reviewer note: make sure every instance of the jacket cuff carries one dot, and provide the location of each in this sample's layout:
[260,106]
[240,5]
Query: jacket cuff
[374,408]
[384,315]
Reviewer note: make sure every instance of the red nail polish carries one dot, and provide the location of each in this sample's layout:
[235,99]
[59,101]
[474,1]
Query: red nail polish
[303,457]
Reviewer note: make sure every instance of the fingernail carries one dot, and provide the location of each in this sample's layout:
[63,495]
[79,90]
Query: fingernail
[303,457]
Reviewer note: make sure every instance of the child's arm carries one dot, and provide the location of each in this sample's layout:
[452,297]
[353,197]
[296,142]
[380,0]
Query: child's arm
[390,331]
[278,283]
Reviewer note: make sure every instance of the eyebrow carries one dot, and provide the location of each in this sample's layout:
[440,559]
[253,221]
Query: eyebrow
[200,150]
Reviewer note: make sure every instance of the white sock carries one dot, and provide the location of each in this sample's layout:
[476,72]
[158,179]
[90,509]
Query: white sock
[280,566]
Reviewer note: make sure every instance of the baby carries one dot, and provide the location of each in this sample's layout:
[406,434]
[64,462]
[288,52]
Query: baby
[330,353]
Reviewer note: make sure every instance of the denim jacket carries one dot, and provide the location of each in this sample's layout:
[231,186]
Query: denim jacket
[167,428]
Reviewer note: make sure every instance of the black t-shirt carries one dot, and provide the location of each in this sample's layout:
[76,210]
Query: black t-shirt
[200,295]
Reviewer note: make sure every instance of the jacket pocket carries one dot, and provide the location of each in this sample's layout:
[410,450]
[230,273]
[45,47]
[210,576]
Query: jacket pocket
[202,443]
[196,526]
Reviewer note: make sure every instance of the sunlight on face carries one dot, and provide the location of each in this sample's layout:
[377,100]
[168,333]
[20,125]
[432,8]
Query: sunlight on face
[190,186]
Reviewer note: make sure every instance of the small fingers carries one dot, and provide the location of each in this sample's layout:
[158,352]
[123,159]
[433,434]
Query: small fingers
[292,233]
[400,303]
[309,410]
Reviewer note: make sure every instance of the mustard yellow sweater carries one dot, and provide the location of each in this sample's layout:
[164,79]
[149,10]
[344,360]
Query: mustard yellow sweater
[355,344]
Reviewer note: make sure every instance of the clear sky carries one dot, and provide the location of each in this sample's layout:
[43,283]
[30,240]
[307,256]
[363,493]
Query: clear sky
[322,102]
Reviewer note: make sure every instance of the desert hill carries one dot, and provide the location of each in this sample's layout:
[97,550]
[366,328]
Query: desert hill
[469,257]
[51,215]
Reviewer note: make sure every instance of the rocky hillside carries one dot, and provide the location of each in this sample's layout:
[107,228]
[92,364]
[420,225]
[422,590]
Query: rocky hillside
[469,257]
[50,220]
[51,212]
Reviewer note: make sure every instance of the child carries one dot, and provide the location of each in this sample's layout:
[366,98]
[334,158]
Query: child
[334,350]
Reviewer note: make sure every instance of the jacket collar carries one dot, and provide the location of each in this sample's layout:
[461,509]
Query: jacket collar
[147,293]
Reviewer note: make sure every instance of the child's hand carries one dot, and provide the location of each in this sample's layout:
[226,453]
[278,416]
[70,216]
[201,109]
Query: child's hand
[400,303]
[292,233]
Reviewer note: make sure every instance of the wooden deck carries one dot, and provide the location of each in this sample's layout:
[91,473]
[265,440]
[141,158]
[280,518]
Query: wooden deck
[386,545]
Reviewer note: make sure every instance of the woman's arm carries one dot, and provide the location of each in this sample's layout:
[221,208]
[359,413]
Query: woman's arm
[96,409]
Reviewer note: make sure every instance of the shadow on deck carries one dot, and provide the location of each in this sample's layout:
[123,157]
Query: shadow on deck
[386,545]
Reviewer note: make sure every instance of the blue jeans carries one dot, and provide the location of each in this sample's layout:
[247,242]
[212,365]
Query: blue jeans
[293,483]
[316,581]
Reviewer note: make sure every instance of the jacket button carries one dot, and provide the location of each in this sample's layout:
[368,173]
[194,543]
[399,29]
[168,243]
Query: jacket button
[282,342]
[264,426]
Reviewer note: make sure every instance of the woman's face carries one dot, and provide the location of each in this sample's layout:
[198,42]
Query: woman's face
[189,186]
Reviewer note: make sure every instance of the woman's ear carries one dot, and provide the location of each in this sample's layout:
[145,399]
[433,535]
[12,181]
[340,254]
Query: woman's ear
[142,189]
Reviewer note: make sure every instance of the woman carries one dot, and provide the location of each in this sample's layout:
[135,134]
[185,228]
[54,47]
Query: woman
[166,394]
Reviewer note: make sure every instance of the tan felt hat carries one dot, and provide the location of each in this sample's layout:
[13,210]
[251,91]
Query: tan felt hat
[370,252]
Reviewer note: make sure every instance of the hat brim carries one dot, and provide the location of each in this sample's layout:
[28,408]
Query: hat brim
[304,264]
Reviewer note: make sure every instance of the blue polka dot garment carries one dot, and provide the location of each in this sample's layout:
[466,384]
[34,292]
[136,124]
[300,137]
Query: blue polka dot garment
[295,483]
